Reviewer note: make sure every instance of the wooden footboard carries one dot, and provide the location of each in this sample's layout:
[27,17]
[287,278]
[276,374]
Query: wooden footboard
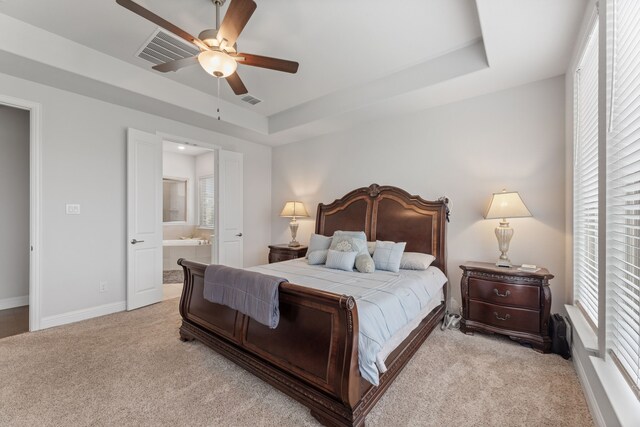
[313,353]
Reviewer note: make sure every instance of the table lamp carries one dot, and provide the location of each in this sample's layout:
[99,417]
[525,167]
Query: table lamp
[505,205]
[294,210]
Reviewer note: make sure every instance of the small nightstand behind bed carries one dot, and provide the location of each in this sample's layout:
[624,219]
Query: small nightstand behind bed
[507,301]
[285,252]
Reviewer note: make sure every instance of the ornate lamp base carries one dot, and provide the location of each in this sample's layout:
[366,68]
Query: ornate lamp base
[504,233]
[293,226]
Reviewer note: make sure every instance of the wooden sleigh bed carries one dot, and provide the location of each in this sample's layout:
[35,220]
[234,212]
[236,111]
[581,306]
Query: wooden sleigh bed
[312,355]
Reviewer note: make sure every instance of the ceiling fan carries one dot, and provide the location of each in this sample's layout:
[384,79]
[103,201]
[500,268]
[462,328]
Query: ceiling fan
[218,49]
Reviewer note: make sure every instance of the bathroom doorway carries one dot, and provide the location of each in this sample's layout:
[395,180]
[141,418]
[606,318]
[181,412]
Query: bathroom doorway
[188,210]
[15,214]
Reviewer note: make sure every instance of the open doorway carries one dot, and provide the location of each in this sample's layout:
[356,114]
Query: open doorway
[15,214]
[188,210]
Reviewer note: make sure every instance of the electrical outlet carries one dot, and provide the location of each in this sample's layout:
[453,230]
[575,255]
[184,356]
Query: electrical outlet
[102,287]
[73,209]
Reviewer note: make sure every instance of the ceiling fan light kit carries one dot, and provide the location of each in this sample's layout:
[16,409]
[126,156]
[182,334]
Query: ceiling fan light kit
[218,51]
[217,63]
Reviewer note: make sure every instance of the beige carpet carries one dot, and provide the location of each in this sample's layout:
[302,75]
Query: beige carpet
[130,369]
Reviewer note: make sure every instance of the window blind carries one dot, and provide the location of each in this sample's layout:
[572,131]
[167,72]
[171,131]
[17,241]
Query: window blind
[585,181]
[206,201]
[623,193]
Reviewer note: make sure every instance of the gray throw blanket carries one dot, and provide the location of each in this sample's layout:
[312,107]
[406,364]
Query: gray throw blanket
[251,293]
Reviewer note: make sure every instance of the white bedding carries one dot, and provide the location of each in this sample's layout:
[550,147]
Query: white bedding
[390,305]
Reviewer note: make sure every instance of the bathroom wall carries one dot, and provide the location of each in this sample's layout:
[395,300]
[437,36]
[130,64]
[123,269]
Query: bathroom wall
[14,207]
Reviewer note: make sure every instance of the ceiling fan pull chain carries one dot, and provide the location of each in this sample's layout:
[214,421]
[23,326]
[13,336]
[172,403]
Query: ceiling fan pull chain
[218,98]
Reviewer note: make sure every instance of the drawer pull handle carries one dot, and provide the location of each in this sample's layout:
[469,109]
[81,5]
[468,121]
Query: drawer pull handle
[506,316]
[506,293]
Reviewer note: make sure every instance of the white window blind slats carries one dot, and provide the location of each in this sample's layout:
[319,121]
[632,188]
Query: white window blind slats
[206,201]
[623,194]
[586,181]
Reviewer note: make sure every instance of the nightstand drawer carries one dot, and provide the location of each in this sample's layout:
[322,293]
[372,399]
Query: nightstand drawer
[515,319]
[504,293]
[278,253]
[278,257]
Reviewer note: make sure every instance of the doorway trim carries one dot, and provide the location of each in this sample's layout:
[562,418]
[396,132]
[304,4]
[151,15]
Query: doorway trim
[35,206]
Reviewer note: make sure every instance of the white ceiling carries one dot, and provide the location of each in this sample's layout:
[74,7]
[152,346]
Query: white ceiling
[355,56]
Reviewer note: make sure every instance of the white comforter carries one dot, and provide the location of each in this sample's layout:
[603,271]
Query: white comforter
[388,303]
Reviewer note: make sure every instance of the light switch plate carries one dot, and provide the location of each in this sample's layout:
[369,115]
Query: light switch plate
[73,209]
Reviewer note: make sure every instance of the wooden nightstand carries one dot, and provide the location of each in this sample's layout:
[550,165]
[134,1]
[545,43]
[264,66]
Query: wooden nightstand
[507,301]
[285,252]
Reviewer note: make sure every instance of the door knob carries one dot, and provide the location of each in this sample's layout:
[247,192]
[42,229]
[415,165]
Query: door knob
[134,241]
[239,235]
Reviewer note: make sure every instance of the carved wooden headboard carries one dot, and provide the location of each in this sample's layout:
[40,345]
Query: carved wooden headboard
[389,213]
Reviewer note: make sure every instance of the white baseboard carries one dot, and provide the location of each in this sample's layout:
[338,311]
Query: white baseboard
[14,302]
[78,315]
[592,403]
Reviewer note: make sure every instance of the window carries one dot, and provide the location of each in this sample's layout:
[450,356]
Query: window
[623,193]
[585,181]
[206,201]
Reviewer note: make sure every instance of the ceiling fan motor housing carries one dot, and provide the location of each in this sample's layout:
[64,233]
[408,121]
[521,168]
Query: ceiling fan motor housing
[210,37]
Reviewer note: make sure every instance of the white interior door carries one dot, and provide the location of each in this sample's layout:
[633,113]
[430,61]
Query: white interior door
[144,219]
[230,209]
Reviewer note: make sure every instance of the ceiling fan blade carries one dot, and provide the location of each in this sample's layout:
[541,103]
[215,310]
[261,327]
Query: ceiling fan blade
[176,65]
[150,16]
[236,84]
[267,62]
[235,19]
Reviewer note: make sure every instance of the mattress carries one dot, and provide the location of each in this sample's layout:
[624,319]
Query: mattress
[390,305]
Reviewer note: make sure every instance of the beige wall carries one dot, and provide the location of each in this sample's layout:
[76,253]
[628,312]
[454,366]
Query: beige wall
[512,139]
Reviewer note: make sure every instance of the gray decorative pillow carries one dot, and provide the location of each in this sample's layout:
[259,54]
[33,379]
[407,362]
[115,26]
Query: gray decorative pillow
[318,242]
[416,261]
[349,241]
[387,255]
[365,264]
[341,260]
[317,257]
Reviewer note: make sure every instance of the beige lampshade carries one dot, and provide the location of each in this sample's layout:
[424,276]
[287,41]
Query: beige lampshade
[507,205]
[293,210]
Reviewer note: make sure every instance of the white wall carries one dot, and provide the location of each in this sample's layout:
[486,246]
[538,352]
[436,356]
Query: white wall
[205,164]
[512,139]
[84,161]
[14,207]
[176,165]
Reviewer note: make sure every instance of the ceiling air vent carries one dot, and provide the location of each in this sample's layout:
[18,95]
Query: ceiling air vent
[163,47]
[251,99]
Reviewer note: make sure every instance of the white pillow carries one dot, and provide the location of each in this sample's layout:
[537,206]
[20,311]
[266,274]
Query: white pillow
[371,246]
[341,260]
[365,264]
[387,255]
[317,257]
[416,261]
[318,242]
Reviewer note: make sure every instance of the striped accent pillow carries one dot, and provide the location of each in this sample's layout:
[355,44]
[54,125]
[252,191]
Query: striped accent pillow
[388,255]
[341,260]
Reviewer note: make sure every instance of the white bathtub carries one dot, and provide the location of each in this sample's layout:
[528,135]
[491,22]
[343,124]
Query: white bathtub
[192,249]
[185,242]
